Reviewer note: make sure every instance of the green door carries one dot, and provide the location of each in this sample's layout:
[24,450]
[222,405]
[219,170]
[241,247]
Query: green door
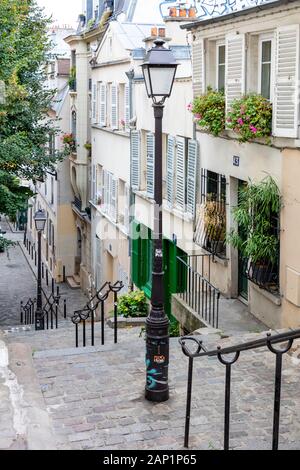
[172,279]
[242,262]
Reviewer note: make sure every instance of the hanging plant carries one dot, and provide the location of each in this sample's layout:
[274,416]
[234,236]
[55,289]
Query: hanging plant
[69,142]
[259,205]
[251,117]
[209,111]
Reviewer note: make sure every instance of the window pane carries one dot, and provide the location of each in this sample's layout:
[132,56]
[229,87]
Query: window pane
[221,54]
[266,51]
[221,78]
[265,80]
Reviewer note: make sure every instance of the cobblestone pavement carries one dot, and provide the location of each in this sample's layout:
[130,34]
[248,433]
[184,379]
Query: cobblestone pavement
[94,397]
[18,282]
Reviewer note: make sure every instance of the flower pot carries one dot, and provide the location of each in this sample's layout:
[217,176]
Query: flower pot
[192,12]
[172,12]
[154,32]
[183,12]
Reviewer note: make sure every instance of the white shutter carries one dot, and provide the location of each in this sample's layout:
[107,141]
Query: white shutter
[286,100]
[102,111]
[180,172]
[234,68]
[114,198]
[94,190]
[126,107]
[135,150]
[150,164]
[170,169]
[127,206]
[192,175]
[105,190]
[114,107]
[198,67]
[94,103]
[123,276]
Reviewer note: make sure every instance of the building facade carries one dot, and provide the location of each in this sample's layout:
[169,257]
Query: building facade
[253,51]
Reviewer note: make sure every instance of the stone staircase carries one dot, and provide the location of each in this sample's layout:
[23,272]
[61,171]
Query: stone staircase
[93,398]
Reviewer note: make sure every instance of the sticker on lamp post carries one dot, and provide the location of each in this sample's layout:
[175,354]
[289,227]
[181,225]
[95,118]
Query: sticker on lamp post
[158,253]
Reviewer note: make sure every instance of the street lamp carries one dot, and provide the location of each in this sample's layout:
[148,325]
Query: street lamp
[159,70]
[40,221]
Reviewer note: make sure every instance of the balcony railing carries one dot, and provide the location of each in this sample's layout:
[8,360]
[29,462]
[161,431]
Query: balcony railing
[264,274]
[78,203]
[195,289]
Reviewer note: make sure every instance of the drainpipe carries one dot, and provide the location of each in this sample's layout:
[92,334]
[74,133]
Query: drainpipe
[130,76]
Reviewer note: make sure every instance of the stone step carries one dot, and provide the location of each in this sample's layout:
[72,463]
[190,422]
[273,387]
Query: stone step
[73,283]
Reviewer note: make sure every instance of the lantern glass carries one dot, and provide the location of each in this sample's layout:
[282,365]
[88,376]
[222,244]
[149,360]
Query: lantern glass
[40,220]
[162,79]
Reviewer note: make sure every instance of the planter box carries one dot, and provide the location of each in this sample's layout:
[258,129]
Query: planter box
[123,322]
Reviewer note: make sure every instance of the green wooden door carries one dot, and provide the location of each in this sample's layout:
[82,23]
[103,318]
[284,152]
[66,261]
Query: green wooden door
[242,262]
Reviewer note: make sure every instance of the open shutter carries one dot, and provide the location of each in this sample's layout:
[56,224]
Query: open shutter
[180,172]
[102,113]
[198,67]
[127,206]
[94,183]
[126,107]
[192,175]
[150,164]
[170,169]
[114,198]
[98,267]
[94,103]
[114,107]
[234,68]
[135,146]
[286,100]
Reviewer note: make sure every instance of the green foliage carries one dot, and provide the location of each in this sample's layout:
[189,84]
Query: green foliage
[5,244]
[72,78]
[24,123]
[209,111]
[13,196]
[254,215]
[133,304]
[251,117]
[174,330]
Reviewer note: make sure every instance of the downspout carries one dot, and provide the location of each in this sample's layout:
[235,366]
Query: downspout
[130,76]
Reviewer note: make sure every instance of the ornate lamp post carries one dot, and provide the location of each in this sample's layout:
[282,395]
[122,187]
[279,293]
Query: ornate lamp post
[159,70]
[40,221]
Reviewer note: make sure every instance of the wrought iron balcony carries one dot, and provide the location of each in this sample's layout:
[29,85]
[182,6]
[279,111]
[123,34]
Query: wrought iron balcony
[78,203]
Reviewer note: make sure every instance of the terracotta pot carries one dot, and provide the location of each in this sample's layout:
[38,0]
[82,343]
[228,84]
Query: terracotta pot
[162,32]
[172,11]
[192,12]
[182,12]
[153,31]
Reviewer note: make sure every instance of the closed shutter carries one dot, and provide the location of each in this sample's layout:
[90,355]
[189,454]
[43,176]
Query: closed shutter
[192,175]
[127,206]
[198,67]
[150,164]
[102,111]
[114,107]
[114,198]
[286,100]
[135,150]
[235,68]
[170,169]
[180,172]
[94,103]
[94,183]
[98,267]
[126,106]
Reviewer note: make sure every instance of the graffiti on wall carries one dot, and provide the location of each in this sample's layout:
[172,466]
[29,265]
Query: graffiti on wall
[211,8]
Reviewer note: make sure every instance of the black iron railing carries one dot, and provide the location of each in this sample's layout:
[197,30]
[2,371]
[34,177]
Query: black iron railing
[195,289]
[86,316]
[264,274]
[50,310]
[210,231]
[230,355]
[78,203]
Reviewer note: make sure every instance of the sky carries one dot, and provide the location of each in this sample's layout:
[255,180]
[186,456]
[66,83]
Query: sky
[65,12]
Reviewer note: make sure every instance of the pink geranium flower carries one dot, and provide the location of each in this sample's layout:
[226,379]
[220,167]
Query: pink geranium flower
[252,129]
[198,116]
[240,121]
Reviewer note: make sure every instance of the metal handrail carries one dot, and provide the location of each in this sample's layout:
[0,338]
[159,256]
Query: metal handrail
[222,353]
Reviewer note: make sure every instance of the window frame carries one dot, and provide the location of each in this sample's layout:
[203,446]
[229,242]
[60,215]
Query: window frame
[219,44]
[265,38]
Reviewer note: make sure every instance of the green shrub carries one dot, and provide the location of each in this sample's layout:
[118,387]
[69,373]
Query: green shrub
[251,117]
[5,244]
[133,304]
[209,111]
[174,330]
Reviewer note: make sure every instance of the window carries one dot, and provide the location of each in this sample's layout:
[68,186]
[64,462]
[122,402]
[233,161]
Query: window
[221,67]
[210,232]
[265,72]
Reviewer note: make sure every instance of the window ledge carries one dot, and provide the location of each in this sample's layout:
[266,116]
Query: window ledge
[276,142]
[121,227]
[143,195]
[215,258]
[177,212]
[112,131]
[275,299]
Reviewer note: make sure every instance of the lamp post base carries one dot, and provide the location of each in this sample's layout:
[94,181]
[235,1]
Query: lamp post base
[39,320]
[157,359]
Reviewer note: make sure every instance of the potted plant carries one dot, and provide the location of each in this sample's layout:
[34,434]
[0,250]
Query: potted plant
[251,117]
[69,142]
[257,237]
[172,12]
[214,218]
[209,111]
[133,305]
